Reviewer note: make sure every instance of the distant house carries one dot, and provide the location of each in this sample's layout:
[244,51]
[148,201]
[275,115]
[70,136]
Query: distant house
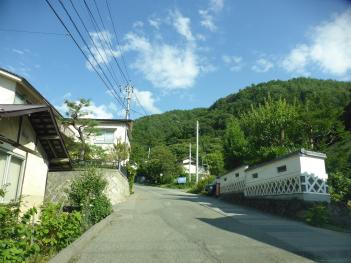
[202,169]
[300,174]
[30,141]
[111,131]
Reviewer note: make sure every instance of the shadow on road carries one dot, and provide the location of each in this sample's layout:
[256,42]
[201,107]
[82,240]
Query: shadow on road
[289,235]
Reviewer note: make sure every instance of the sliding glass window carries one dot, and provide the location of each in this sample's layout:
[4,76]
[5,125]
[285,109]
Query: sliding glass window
[11,169]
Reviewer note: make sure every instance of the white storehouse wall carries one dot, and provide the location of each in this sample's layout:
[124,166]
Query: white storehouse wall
[301,175]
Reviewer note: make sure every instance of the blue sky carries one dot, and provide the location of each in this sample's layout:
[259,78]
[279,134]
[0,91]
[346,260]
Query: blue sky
[179,54]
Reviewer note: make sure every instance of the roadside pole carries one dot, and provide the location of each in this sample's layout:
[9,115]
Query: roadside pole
[197,151]
[189,162]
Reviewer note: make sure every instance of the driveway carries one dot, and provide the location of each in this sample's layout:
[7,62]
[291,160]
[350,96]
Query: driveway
[164,225]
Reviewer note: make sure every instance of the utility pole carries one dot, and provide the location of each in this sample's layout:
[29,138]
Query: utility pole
[197,151]
[129,92]
[189,162]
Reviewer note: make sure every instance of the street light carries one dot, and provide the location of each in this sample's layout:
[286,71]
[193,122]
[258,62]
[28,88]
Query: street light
[161,174]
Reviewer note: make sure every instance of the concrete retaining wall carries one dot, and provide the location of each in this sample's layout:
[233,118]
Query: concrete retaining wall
[59,182]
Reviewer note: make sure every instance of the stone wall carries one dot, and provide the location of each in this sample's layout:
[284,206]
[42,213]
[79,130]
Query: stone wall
[59,182]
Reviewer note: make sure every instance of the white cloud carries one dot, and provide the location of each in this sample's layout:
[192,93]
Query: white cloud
[96,112]
[147,100]
[182,25]
[200,37]
[138,24]
[297,59]
[20,52]
[216,5]
[234,62]
[102,51]
[155,22]
[262,65]
[166,66]
[67,95]
[328,48]
[22,69]
[208,15]
[207,20]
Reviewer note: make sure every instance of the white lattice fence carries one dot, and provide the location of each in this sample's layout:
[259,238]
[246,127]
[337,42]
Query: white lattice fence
[313,184]
[288,185]
[283,185]
[234,187]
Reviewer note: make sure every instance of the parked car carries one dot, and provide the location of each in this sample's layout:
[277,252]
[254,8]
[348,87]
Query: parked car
[210,188]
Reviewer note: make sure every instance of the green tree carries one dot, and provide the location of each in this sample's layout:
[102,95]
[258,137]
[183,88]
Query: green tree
[216,163]
[162,161]
[138,153]
[119,152]
[235,145]
[77,112]
[273,128]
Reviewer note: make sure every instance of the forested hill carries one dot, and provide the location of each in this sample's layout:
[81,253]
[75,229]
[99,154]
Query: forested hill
[315,108]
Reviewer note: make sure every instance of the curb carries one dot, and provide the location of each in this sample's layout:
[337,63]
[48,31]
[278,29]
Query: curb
[72,251]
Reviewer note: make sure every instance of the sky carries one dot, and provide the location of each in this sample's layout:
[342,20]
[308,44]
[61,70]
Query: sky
[179,54]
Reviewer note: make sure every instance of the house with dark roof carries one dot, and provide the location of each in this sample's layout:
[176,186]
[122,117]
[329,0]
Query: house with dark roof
[31,144]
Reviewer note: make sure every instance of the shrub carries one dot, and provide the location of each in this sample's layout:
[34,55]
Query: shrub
[131,178]
[87,193]
[200,186]
[57,229]
[340,187]
[16,233]
[99,208]
[317,215]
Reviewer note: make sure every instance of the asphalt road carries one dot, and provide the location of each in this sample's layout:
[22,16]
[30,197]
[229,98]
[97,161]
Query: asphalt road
[163,225]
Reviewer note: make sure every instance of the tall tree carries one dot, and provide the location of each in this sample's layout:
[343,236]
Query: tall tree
[216,163]
[235,145]
[77,113]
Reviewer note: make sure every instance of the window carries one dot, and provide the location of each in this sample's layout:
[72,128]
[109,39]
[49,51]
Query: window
[19,99]
[237,175]
[255,175]
[281,169]
[105,136]
[10,176]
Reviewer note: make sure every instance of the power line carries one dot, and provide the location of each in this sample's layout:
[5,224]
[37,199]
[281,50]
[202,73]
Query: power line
[87,46]
[32,32]
[138,101]
[116,36]
[99,33]
[78,46]
[94,44]
[108,42]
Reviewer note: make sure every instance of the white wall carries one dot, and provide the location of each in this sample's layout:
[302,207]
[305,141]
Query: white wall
[315,166]
[34,182]
[193,168]
[119,134]
[33,178]
[7,91]
[269,170]
[229,179]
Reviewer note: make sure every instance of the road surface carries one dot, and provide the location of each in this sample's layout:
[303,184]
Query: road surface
[164,225]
